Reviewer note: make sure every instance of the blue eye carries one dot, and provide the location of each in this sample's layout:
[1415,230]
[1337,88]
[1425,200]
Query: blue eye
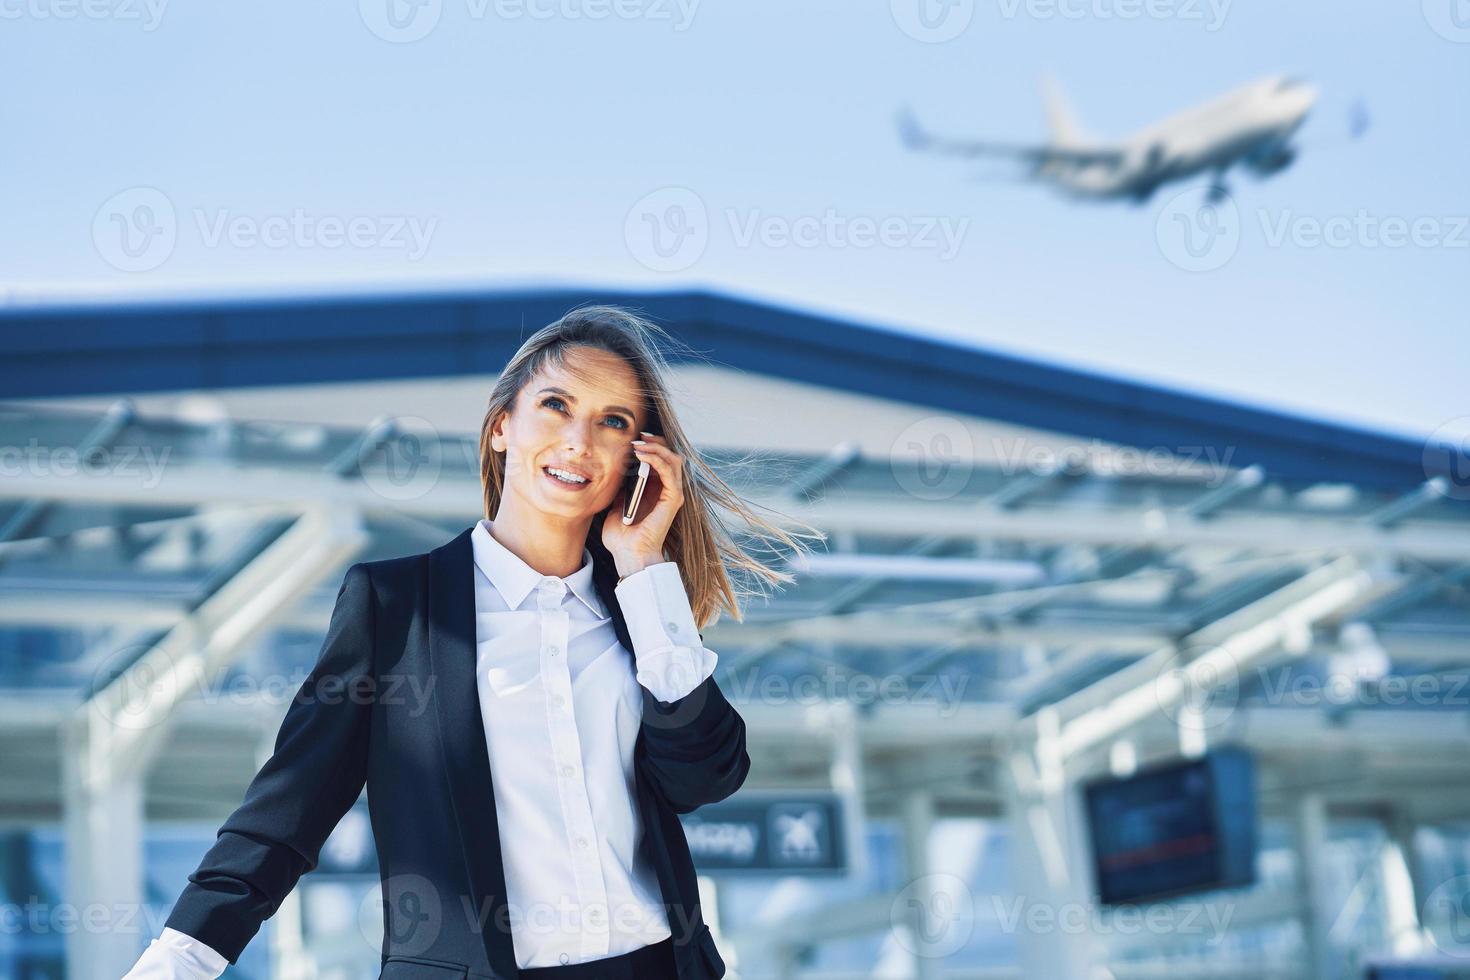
[622,422]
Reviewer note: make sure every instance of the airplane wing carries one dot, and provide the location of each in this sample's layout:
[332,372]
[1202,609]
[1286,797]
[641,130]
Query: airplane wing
[915,137]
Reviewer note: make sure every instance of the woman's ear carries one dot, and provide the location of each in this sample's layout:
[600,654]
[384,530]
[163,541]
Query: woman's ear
[497,433]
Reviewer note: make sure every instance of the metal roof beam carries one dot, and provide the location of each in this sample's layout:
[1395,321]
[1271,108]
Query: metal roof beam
[1138,526]
[30,513]
[145,693]
[807,483]
[1217,654]
[1013,493]
[1429,492]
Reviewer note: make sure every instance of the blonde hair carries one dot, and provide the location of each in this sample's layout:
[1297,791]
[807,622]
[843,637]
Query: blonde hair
[699,540]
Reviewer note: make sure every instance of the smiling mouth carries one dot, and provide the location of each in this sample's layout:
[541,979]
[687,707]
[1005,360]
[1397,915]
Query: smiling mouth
[570,484]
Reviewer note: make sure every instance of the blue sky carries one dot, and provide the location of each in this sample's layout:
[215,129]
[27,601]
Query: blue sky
[532,141]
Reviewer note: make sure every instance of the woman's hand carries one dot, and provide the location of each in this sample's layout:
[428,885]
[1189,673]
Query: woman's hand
[636,546]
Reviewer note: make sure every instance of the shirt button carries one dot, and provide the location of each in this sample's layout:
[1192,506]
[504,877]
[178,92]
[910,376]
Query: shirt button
[567,770]
[565,958]
[673,627]
[582,842]
[557,700]
[555,650]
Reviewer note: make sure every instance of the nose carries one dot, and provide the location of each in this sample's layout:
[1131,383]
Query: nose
[1303,99]
[576,435]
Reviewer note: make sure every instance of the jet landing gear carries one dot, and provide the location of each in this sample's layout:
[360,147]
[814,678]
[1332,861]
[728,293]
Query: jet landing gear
[1218,191]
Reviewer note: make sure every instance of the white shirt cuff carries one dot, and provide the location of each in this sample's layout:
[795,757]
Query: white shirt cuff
[671,656]
[177,956]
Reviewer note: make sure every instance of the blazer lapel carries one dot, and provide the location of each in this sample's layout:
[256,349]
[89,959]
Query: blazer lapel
[605,580]
[451,586]
[652,841]
[462,736]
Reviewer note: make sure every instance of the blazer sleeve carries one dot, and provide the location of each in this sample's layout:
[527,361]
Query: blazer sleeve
[315,774]
[693,747]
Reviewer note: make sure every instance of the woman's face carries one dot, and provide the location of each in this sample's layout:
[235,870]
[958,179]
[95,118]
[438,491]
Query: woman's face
[562,422]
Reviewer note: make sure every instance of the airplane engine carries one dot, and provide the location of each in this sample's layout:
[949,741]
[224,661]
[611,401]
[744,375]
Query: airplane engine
[1151,162]
[1144,170]
[1274,160]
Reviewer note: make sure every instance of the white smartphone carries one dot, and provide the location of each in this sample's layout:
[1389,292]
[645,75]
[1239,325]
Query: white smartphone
[635,494]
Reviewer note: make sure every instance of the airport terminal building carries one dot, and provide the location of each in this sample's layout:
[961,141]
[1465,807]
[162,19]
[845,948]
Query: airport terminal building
[1090,678]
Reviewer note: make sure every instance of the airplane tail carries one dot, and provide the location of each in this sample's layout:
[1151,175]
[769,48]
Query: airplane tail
[1060,120]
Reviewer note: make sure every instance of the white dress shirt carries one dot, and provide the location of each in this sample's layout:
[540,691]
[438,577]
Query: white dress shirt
[560,701]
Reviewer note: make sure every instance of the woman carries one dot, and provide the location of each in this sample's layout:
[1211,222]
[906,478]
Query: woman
[525,806]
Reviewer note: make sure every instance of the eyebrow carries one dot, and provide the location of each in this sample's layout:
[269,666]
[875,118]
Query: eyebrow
[573,399]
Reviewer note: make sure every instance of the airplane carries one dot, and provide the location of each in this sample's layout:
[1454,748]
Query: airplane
[1252,127]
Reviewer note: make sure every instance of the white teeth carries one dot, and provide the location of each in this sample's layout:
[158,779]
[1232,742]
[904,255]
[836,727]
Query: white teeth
[564,476]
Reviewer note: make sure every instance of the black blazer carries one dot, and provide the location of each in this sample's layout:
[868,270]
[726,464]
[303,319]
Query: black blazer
[392,703]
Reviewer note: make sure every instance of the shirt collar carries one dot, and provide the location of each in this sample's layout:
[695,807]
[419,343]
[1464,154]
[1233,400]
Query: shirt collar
[515,580]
